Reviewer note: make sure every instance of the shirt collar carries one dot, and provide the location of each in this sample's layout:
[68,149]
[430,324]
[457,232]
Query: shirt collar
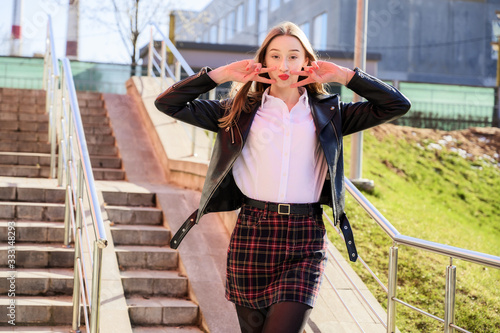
[266,98]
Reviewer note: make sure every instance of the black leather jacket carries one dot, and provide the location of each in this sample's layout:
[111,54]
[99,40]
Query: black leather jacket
[333,119]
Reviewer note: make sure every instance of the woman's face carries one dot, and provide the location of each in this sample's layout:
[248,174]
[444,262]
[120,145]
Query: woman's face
[287,54]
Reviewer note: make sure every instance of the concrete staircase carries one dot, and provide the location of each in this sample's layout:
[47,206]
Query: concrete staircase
[157,292]
[24,147]
[155,289]
[43,267]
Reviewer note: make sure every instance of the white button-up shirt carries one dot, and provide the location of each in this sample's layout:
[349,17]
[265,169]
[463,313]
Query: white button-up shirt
[282,160]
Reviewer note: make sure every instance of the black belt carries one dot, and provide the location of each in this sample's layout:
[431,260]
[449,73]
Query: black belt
[293,209]
[286,209]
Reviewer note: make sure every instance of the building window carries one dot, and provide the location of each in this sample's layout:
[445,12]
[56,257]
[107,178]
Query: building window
[222,31]
[251,12]
[230,26]
[205,37]
[319,32]
[305,27]
[239,18]
[274,4]
[213,34]
[263,5]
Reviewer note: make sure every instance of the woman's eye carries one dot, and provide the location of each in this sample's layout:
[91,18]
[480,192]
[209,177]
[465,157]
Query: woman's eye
[293,57]
[274,57]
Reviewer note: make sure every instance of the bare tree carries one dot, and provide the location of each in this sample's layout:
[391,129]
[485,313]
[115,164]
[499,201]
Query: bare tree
[132,17]
[131,20]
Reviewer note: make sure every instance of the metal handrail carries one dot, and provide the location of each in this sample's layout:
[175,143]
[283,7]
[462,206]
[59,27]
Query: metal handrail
[165,73]
[74,170]
[441,249]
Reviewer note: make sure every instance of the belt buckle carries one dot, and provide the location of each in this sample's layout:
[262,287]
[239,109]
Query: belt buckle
[281,212]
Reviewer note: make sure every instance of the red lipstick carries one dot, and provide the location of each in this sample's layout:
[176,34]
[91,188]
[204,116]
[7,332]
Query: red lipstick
[284,77]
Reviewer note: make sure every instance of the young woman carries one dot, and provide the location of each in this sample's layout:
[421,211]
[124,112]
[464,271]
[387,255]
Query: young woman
[278,156]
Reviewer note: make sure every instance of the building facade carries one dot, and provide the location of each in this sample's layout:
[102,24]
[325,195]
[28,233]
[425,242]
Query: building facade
[436,41]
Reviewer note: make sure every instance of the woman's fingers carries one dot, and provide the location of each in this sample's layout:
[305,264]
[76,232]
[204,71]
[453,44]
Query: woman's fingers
[303,82]
[267,69]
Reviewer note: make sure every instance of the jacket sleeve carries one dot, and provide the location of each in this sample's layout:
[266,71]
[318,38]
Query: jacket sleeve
[384,103]
[179,101]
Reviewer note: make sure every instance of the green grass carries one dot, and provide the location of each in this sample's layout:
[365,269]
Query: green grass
[436,196]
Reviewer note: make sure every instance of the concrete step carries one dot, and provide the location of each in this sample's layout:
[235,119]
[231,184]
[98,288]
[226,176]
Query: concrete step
[30,193]
[38,310]
[16,158]
[42,147]
[23,126]
[154,283]
[97,119]
[146,199]
[102,150]
[24,136]
[31,211]
[93,111]
[140,235]
[166,329]
[27,171]
[88,95]
[13,114]
[162,311]
[34,232]
[99,130]
[145,257]
[108,174]
[43,159]
[32,255]
[24,147]
[43,329]
[107,162]
[100,139]
[134,215]
[38,282]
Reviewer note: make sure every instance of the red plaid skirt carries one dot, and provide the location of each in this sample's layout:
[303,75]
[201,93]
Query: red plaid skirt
[275,258]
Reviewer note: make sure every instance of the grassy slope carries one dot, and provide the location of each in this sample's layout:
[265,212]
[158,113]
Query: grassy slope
[436,196]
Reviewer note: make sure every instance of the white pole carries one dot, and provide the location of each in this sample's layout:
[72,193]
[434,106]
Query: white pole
[16,33]
[360,62]
[72,36]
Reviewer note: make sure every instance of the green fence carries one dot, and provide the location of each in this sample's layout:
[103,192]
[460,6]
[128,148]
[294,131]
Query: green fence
[27,73]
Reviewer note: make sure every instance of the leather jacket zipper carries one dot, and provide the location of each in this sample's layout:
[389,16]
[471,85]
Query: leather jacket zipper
[230,128]
[230,166]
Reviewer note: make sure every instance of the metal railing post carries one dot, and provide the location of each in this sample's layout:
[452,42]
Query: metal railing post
[449,298]
[96,288]
[67,216]
[76,278]
[163,64]
[150,54]
[177,71]
[392,286]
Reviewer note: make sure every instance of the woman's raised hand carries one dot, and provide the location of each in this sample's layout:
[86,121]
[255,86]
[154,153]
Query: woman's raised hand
[241,71]
[323,72]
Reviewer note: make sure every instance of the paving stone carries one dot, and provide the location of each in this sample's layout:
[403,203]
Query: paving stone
[7,211]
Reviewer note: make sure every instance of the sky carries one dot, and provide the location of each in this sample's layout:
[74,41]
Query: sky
[99,41]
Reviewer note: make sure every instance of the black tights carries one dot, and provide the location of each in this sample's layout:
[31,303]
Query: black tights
[285,317]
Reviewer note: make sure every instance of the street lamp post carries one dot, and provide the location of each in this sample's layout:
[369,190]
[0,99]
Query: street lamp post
[360,62]
[496,109]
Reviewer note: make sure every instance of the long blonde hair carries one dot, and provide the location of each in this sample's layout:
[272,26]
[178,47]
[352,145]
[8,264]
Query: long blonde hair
[243,97]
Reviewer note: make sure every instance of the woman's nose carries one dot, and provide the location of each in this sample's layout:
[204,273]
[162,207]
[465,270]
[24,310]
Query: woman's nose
[284,66]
